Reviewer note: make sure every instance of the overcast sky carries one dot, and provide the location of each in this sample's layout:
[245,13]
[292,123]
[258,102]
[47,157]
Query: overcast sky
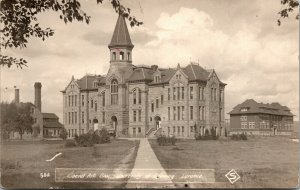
[240,39]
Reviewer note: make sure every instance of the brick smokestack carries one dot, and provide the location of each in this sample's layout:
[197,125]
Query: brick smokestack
[17,95]
[38,95]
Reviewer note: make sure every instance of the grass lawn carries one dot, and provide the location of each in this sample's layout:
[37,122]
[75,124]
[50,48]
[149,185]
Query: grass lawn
[22,162]
[260,161]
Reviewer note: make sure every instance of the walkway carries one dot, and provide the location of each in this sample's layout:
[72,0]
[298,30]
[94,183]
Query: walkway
[147,170]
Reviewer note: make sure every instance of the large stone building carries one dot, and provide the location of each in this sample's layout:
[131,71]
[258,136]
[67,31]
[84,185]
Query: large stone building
[255,118]
[138,101]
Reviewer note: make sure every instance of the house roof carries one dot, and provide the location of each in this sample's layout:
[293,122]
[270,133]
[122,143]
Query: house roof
[255,107]
[52,124]
[121,35]
[49,116]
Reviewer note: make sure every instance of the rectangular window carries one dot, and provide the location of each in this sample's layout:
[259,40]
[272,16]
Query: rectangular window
[191,113]
[75,100]
[178,112]
[82,100]
[212,94]
[72,117]
[134,116]
[75,113]
[191,129]
[174,113]
[182,112]
[92,103]
[243,118]
[72,98]
[203,113]
[139,130]
[69,100]
[75,131]
[200,112]
[140,115]
[178,93]
[182,93]
[203,93]
[152,106]
[103,117]
[200,93]
[182,130]
[178,130]
[157,102]
[243,125]
[215,94]
[82,117]
[140,97]
[169,110]
[162,99]
[168,93]
[103,99]
[69,117]
[174,93]
[191,92]
[96,106]
[251,125]
[69,133]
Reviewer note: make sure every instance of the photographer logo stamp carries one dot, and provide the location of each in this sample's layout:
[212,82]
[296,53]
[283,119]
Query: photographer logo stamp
[232,176]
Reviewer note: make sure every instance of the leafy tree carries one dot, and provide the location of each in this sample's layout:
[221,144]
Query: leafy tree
[288,7]
[19,21]
[16,118]
[63,134]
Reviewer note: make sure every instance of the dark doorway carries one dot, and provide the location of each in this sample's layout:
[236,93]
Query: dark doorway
[157,120]
[95,124]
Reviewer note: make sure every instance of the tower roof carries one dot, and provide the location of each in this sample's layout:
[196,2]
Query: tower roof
[121,35]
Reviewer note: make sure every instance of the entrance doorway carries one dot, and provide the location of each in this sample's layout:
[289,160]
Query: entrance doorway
[114,122]
[95,122]
[157,120]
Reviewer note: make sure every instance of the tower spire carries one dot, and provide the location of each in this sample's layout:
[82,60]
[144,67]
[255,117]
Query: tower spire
[121,37]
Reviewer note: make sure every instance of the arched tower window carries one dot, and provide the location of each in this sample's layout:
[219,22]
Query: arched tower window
[122,55]
[113,56]
[114,91]
[134,97]
[128,56]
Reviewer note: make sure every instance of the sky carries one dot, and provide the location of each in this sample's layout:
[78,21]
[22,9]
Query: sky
[240,39]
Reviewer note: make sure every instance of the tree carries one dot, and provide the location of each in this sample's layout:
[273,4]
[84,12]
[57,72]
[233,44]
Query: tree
[19,21]
[63,134]
[288,7]
[16,117]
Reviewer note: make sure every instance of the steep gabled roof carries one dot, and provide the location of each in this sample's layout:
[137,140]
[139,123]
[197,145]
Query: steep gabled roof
[121,37]
[196,72]
[254,107]
[141,74]
[87,82]
[52,124]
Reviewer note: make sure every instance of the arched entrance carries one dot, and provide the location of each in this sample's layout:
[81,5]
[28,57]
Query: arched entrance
[157,120]
[95,123]
[114,122]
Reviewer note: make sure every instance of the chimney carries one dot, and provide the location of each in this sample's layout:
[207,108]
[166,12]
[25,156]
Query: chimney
[17,95]
[37,95]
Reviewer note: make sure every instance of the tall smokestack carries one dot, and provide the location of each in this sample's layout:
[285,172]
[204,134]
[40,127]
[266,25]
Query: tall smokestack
[37,95]
[17,95]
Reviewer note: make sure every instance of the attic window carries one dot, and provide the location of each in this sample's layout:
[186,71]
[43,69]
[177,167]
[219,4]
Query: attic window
[244,109]
[157,78]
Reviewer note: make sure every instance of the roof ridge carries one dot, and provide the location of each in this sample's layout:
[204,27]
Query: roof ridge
[193,71]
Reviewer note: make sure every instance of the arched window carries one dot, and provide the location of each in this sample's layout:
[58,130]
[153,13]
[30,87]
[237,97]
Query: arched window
[128,56]
[121,55]
[114,91]
[134,97]
[114,56]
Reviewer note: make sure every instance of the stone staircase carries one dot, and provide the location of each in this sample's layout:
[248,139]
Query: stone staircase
[153,134]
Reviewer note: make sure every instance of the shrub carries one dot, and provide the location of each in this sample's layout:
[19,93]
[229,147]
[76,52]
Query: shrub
[163,140]
[63,134]
[238,137]
[93,137]
[70,143]
[212,135]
